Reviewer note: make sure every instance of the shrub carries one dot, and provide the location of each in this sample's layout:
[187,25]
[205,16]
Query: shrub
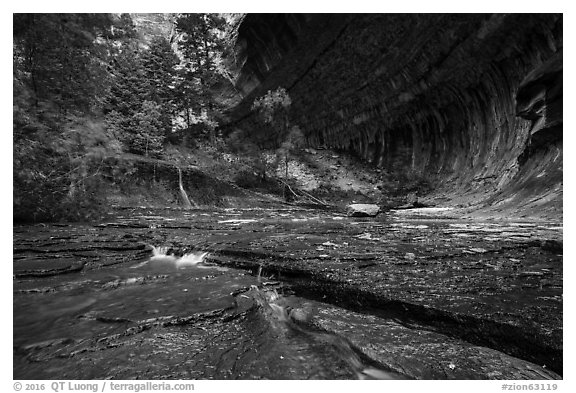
[57,173]
[272,109]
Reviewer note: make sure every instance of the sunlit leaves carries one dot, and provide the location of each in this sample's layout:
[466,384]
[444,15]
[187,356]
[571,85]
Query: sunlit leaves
[272,103]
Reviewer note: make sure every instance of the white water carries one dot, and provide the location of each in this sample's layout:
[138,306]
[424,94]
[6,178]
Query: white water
[183,194]
[160,256]
[191,259]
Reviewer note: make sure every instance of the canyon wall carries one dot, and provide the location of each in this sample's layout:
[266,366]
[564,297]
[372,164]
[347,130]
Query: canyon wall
[471,102]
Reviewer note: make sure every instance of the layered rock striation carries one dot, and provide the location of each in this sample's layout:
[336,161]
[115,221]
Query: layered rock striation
[473,103]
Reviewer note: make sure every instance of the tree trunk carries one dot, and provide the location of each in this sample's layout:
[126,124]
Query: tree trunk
[285,175]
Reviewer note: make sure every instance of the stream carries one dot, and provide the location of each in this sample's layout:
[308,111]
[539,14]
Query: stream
[162,295]
[252,337]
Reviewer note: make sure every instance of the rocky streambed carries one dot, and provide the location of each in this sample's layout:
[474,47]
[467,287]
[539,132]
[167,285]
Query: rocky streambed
[288,293]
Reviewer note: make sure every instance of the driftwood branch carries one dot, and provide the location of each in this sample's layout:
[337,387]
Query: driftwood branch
[303,194]
[290,188]
[320,201]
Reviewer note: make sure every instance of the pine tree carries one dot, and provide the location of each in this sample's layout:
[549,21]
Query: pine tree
[60,76]
[140,105]
[148,129]
[159,64]
[63,57]
[200,44]
[128,92]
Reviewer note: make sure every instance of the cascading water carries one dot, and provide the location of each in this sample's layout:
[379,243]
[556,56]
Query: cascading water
[283,316]
[160,256]
[187,201]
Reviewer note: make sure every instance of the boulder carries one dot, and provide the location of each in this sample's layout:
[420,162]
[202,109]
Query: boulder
[362,210]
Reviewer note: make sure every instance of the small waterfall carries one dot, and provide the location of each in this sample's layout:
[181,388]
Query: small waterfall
[183,194]
[191,259]
[259,274]
[160,255]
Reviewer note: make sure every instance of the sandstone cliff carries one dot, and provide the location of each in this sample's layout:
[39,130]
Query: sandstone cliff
[471,102]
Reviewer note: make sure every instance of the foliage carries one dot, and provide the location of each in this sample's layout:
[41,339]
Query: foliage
[148,129]
[250,154]
[128,88]
[62,57]
[293,141]
[250,180]
[159,63]
[180,85]
[139,106]
[272,104]
[124,29]
[89,86]
[57,176]
[60,76]
[273,110]
[200,44]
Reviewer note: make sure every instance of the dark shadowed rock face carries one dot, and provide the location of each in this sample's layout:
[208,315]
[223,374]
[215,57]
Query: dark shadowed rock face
[471,102]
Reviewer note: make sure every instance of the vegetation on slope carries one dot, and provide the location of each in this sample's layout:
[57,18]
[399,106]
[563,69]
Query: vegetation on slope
[87,86]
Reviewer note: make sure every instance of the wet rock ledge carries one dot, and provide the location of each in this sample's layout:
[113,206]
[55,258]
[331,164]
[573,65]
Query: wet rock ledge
[494,285]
